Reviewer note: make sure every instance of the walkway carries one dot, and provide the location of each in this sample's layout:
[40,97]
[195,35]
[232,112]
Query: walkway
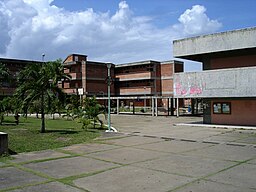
[150,154]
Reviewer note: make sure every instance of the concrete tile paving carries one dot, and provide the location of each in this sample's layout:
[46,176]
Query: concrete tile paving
[70,166]
[126,155]
[186,165]
[38,155]
[49,187]
[226,152]
[204,186]
[240,176]
[173,146]
[133,140]
[129,178]
[13,177]
[88,148]
[142,163]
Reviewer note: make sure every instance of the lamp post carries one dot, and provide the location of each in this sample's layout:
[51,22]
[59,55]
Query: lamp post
[144,99]
[43,55]
[109,107]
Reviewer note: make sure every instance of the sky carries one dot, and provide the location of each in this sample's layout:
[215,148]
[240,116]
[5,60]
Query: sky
[114,31]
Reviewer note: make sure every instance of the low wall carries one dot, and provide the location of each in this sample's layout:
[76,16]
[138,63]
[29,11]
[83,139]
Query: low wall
[3,143]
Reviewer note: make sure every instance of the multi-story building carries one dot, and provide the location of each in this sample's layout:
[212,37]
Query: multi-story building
[88,76]
[146,83]
[146,79]
[14,66]
[132,83]
[227,84]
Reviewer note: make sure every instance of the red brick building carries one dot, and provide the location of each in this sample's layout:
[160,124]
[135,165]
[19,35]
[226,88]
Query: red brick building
[134,83]
[146,83]
[14,66]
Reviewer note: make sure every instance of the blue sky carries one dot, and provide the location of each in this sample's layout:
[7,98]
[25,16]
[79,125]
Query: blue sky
[114,30]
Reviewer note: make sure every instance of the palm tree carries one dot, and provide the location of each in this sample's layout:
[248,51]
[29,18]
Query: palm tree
[4,73]
[39,82]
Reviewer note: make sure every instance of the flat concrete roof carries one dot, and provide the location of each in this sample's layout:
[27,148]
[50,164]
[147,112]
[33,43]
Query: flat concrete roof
[237,42]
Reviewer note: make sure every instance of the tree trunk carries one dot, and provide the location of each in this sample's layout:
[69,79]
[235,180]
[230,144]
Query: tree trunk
[42,114]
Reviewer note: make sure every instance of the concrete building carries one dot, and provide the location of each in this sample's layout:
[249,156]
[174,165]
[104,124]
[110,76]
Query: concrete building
[227,82]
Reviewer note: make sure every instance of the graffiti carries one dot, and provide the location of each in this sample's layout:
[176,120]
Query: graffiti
[188,86]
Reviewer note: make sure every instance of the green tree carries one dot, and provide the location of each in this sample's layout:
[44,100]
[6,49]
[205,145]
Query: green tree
[91,111]
[40,82]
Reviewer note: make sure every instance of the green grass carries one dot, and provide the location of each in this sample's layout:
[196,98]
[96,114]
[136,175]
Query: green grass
[26,136]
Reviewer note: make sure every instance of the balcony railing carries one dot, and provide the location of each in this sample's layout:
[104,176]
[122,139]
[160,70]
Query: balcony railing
[235,82]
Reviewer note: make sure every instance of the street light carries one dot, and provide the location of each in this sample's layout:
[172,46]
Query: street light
[43,55]
[109,82]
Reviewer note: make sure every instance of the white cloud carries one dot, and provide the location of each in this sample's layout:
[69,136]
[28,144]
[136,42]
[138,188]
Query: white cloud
[32,27]
[195,21]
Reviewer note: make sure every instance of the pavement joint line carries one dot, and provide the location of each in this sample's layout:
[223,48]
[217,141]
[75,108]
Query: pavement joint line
[45,160]
[199,141]
[106,161]
[217,126]
[161,171]
[24,186]
[20,167]
[209,175]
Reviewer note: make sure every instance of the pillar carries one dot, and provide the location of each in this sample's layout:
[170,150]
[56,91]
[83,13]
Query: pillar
[117,106]
[3,143]
[156,111]
[153,107]
[177,107]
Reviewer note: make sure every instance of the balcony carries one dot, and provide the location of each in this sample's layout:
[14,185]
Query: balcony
[136,91]
[70,91]
[75,76]
[224,83]
[134,76]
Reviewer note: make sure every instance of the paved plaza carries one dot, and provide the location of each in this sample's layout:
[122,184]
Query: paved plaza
[147,154]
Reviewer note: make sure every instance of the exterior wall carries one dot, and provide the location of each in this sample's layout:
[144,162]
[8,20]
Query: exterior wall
[236,82]
[233,62]
[137,78]
[242,113]
[166,75]
[14,66]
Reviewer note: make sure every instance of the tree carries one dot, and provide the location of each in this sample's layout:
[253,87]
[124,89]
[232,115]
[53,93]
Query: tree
[39,82]
[4,71]
[91,111]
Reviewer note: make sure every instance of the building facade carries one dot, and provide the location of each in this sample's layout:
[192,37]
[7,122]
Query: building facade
[14,66]
[146,83]
[132,83]
[227,82]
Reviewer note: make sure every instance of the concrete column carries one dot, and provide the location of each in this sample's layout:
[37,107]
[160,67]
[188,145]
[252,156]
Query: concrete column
[172,107]
[153,107]
[168,106]
[3,143]
[117,106]
[192,106]
[133,108]
[156,111]
[177,107]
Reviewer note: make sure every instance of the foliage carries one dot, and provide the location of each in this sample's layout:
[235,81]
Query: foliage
[92,109]
[25,137]
[39,82]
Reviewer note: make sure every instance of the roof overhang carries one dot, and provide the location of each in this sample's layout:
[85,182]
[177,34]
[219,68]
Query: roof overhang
[238,42]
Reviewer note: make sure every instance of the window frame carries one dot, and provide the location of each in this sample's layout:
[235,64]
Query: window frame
[220,107]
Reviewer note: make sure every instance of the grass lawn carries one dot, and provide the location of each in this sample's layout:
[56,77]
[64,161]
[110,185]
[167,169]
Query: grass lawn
[26,136]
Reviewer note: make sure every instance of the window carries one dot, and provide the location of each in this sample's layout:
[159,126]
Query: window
[222,108]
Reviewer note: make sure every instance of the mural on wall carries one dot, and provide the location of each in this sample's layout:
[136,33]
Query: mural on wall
[189,86]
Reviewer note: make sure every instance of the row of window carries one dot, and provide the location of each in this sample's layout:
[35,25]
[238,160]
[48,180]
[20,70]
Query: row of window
[221,108]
